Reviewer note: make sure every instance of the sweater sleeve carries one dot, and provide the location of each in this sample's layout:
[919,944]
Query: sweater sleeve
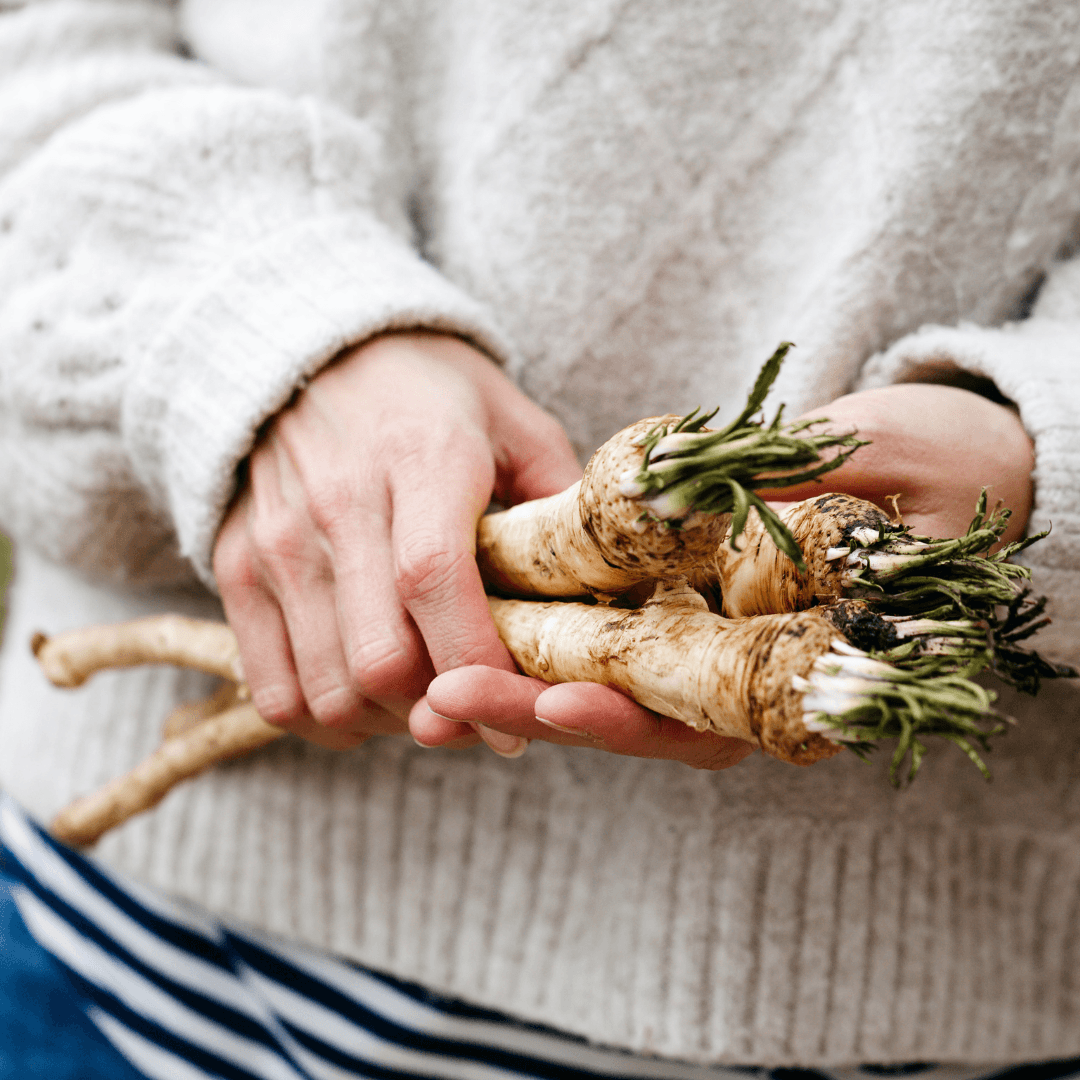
[177,254]
[1035,363]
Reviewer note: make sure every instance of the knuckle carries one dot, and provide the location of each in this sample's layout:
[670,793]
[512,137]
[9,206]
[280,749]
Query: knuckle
[383,668]
[336,706]
[552,434]
[278,538]
[424,569]
[473,650]
[328,504]
[234,567]
[278,704]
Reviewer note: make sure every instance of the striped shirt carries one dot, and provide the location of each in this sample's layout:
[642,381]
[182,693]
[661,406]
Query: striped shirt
[102,977]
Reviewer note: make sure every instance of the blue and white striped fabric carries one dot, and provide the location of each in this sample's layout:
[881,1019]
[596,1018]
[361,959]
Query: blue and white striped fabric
[101,978]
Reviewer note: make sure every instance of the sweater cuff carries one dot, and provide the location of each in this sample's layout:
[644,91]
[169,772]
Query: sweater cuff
[1034,365]
[234,353]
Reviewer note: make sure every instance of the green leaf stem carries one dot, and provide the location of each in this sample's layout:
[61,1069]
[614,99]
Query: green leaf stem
[964,580]
[717,472]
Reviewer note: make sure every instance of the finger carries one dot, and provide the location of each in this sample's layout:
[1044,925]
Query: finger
[430,730]
[256,619]
[620,725]
[385,655]
[265,653]
[496,702]
[485,694]
[333,696]
[534,456]
[376,651]
[434,541]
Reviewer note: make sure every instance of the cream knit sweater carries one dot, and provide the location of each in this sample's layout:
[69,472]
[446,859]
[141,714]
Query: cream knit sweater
[628,204]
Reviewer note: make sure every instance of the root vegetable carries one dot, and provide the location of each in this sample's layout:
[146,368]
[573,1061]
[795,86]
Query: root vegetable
[946,597]
[229,734]
[191,713]
[69,659]
[787,683]
[197,735]
[757,577]
[590,538]
[655,500]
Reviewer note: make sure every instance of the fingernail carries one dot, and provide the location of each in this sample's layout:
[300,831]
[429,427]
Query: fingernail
[507,746]
[582,734]
[452,719]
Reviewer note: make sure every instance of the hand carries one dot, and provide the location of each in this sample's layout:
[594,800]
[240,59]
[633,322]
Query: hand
[574,714]
[346,564]
[936,447]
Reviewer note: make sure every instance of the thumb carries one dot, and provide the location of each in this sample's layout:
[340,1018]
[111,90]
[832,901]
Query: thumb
[535,459]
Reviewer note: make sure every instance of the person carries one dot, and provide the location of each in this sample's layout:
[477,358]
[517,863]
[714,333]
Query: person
[291,292]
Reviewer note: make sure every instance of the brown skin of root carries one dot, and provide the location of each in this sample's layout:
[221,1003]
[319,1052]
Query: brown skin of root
[761,579]
[610,518]
[197,734]
[586,539]
[70,658]
[230,734]
[863,628]
[541,548]
[675,657]
[185,716]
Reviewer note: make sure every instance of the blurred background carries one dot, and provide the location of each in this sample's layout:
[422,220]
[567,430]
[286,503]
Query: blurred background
[5,575]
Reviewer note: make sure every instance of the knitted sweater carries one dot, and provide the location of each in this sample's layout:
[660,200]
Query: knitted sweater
[627,204]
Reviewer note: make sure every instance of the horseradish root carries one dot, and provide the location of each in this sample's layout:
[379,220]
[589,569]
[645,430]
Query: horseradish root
[920,596]
[655,500]
[787,683]
[69,659]
[759,578]
[229,734]
[197,735]
[191,713]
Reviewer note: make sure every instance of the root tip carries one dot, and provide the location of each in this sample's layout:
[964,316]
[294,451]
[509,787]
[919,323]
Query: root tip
[73,836]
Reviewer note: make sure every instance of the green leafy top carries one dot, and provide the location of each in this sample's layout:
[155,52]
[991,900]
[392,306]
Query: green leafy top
[688,469]
[859,699]
[911,705]
[962,579]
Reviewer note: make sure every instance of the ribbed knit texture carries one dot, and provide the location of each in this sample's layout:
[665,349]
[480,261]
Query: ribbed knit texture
[628,204]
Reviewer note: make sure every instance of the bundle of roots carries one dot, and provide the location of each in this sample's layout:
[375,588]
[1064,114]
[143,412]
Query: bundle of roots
[820,627]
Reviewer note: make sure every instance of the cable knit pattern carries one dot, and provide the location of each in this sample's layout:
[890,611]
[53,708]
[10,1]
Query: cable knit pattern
[174,262]
[628,204]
